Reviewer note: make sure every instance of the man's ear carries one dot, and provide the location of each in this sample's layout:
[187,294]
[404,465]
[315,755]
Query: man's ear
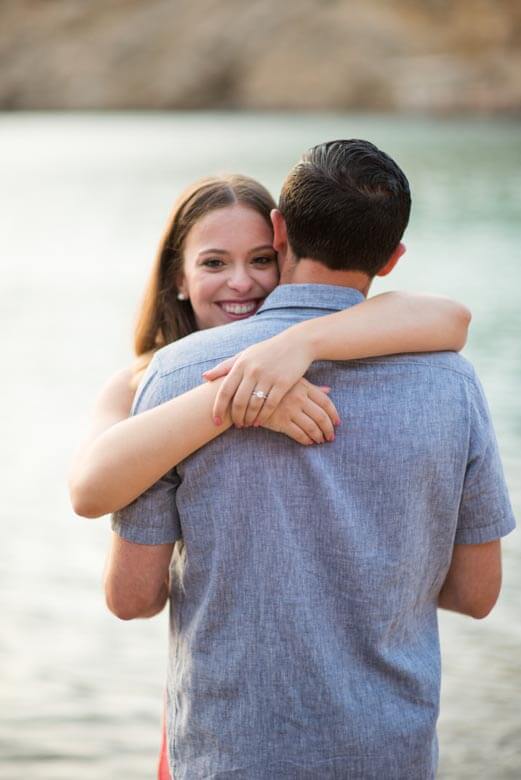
[388,267]
[280,233]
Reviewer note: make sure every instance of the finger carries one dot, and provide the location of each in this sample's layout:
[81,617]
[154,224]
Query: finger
[297,434]
[221,369]
[224,396]
[309,426]
[254,407]
[320,418]
[241,400]
[322,400]
[268,407]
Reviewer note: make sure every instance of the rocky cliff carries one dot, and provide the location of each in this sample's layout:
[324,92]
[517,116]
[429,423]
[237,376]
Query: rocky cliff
[412,55]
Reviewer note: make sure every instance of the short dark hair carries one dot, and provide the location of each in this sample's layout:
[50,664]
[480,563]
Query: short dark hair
[346,204]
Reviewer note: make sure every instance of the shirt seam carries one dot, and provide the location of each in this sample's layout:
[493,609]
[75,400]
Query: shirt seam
[497,522]
[165,372]
[129,529]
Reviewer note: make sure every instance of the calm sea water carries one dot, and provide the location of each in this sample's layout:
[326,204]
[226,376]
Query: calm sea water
[83,202]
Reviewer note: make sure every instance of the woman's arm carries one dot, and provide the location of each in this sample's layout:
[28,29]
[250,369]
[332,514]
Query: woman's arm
[124,457]
[389,324]
[386,324]
[112,405]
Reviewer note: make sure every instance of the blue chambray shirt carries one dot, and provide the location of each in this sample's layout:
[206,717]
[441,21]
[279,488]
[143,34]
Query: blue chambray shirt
[304,636]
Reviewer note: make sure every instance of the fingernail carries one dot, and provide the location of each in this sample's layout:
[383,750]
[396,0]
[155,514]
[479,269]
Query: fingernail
[337,422]
[331,438]
[217,421]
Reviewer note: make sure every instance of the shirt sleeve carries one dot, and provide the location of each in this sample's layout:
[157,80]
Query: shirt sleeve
[485,511]
[152,518]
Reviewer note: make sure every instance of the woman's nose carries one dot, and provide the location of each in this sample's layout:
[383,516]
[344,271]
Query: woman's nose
[240,280]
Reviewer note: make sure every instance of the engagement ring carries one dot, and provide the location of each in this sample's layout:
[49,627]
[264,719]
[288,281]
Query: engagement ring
[260,394]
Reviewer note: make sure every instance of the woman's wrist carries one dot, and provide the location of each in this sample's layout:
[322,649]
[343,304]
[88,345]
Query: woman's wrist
[308,338]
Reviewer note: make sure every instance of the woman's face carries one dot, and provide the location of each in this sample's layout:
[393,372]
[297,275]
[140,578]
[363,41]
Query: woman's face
[229,265]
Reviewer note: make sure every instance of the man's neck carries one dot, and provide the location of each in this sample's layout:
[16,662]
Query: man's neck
[307,271]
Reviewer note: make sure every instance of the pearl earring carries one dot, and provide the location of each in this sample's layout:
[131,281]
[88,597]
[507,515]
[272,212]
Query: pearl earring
[181,296]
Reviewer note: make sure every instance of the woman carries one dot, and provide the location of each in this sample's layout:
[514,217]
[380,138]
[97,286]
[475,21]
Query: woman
[191,288]
[216,265]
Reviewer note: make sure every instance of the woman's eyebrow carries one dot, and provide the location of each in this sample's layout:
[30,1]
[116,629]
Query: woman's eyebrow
[263,247]
[213,251]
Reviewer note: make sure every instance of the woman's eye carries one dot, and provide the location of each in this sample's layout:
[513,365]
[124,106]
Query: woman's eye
[265,260]
[213,262]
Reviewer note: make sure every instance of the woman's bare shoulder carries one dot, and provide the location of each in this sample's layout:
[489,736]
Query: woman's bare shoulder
[118,393]
[120,379]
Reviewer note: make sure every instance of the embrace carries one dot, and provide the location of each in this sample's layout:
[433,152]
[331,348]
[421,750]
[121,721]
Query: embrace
[304,530]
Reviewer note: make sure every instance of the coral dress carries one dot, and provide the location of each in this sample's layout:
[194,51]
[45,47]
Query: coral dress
[163,770]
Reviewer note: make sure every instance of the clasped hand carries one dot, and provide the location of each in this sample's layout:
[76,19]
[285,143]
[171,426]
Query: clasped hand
[293,406]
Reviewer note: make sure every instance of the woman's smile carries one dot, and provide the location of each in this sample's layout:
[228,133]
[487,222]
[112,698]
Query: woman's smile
[238,310]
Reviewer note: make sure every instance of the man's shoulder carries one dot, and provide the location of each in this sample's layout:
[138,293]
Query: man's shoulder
[442,362]
[213,344]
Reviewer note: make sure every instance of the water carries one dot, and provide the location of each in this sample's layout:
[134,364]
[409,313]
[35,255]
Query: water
[84,199]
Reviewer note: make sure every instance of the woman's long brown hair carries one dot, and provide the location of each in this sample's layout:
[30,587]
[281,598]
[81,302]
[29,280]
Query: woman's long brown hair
[163,318]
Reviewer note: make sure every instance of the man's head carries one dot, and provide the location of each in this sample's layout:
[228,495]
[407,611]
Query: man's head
[345,205]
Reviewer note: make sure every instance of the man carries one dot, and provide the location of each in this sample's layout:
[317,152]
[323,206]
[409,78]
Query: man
[304,640]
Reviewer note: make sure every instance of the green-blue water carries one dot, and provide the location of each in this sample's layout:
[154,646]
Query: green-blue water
[84,199]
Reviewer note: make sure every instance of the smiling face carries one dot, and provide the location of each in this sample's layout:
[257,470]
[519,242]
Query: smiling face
[229,265]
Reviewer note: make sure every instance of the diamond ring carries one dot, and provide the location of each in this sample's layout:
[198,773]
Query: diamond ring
[259,394]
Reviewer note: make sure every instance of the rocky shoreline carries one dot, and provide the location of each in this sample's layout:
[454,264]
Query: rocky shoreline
[433,56]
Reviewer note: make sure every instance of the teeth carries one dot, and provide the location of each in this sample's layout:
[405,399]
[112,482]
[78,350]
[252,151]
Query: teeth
[239,308]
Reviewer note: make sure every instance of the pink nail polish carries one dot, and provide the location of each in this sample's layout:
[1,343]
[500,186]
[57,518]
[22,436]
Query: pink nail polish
[217,421]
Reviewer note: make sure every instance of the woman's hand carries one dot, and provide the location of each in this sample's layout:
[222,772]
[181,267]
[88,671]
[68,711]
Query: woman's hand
[273,367]
[305,414]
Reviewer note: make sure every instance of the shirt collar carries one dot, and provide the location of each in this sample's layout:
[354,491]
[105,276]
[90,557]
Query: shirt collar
[311,296]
